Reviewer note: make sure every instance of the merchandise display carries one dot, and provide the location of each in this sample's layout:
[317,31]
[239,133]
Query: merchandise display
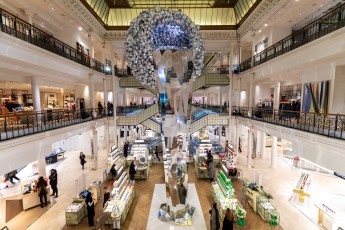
[182,217]
[140,152]
[223,195]
[75,212]
[30,193]
[267,211]
[122,196]
[115,158]
[95,189]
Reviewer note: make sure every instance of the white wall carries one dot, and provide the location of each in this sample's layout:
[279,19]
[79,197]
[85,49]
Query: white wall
[262,91]
[83,91]
[277,34]
[338,97]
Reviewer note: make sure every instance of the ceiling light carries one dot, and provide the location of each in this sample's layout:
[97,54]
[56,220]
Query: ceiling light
[80,28]
[259,31]
[266,25]
[52,8]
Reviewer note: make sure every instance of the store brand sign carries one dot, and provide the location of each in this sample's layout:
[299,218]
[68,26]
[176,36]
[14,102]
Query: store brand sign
[339,175]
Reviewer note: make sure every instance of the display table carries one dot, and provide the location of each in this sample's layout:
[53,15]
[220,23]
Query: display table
[266,210]
[159,197]
[327,219]
[75,212]
[252,197]
[30,194]
[142,172]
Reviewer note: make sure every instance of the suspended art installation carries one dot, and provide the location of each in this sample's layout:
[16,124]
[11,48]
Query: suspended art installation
[315,98]
[161,29]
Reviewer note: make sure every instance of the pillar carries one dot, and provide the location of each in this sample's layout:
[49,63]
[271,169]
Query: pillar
[274,152]
[92,93]
[115,89]
[239,91]
[29,16]
[250,147]
[231,56]
[105,94]
[91,48]
[258,143]
[35,88]
[276,95]
[94,153]
[253,49]
[238,134]
[239,53]
[263,145]
[124,97]
[106,136]
[251,92]
[126,128]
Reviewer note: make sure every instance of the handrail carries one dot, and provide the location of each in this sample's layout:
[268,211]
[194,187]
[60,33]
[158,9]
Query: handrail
[330,125]
[328,23]
[25,123]
[18,28]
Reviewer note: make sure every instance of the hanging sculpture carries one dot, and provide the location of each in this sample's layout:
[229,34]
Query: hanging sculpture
[161,29]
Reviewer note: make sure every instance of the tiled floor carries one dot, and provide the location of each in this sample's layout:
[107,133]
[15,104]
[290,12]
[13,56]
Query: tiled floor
[278,182]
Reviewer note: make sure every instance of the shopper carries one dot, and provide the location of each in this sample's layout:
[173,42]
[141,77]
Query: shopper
[156,153]
[228,222]
[82,159]
[132,171]
[113,171]
[12,175]
[90,209]
[214,220]
[209,157]
[182,193]
[125,150]
[100,108]
[53,182]
[211,170]
[106,196]
[42,191]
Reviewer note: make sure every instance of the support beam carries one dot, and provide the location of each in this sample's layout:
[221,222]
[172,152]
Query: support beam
[274,152]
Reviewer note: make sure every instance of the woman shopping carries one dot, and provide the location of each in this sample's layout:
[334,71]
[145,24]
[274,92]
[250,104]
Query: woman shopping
[42,191]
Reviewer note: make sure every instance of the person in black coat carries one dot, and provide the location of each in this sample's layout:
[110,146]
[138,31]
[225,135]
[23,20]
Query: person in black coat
[156,153]
[113,171]
[53,182]
[228,223]
[90,205]
[82,159]
[106,196]
[132,171]
[42,191]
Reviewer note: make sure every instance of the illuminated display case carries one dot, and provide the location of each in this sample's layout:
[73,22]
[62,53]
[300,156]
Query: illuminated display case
[266,209]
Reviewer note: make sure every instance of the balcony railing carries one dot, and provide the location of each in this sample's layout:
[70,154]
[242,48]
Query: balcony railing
[329,23]
[18,28]
[26,123]
[330,125]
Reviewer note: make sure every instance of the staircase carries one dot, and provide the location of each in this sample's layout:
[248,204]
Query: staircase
[198,113]
[211,119]
[210,79]
[132,82]
[140,117]
[153,125]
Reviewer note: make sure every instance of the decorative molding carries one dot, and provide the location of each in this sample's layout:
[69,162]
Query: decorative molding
[261,11]
[81,12]
[208,35]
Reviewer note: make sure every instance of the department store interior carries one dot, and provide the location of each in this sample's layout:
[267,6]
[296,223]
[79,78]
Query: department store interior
[223,114]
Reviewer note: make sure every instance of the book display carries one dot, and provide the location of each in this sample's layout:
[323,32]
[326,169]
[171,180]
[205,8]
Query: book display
[122,197]
[75,212]
[30,193]
[223,195]
[140,153]
[115,158]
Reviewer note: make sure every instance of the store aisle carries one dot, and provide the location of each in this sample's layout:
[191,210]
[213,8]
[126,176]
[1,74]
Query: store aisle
[68,170]
[278,182]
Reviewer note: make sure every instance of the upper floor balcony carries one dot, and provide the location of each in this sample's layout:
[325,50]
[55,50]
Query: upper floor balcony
[327,24]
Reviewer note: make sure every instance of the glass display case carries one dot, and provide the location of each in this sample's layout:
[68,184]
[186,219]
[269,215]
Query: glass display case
[266,210]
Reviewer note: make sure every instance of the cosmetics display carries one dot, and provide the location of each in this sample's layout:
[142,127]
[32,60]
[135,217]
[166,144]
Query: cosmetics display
[182,217]
[116,158]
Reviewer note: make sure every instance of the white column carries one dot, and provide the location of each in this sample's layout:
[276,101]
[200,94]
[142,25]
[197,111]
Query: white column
[258,143]
[274,152]
[91,48]
[251,92]
[250,147]
[239,53]
[276,95]
[92,91]
[253,48]
[124,97]
[231,56]
[238,134]
[35,88]
[126,128]
[29,16]
[239,91]
[105,94]
[115,84]
[106,135]
[263,145]
[94,152]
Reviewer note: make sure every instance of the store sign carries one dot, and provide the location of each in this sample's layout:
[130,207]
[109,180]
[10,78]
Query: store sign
[339,175]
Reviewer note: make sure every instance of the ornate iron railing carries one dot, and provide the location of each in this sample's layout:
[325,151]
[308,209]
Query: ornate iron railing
[18,28]
[26,123]
[329,23]
[331,125]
